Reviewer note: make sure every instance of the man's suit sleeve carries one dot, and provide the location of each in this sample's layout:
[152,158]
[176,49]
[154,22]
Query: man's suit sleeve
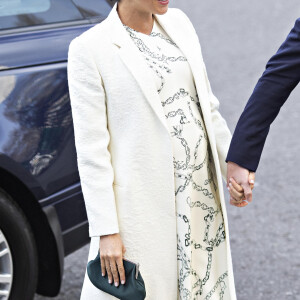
[88,103]
[280,77]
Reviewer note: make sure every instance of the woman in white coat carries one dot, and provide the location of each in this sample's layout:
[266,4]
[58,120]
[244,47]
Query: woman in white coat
[151,149]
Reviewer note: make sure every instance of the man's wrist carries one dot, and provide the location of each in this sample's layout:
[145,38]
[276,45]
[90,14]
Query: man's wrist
[238,165]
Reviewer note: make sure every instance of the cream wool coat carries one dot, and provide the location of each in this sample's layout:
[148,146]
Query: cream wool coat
[124,149]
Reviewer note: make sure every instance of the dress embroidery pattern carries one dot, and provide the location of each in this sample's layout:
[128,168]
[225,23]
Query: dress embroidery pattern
[201,247]
[156,61]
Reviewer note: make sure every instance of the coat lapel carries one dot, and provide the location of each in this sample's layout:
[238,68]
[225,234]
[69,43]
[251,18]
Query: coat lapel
[192,51]
[136,64]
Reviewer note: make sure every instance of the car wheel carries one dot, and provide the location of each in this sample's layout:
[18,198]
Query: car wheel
[18,254]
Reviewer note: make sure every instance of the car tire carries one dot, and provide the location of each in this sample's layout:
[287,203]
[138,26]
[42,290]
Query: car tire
[21,251]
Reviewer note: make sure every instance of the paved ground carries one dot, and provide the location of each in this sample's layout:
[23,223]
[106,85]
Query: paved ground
[237,38]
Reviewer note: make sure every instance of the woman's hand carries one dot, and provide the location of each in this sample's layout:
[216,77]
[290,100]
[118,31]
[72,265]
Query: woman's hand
[112,250]
[237,192]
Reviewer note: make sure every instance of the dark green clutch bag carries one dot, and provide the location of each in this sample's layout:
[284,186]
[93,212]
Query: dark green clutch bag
[134,287]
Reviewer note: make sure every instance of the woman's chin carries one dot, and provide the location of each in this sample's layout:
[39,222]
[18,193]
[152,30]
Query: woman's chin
[162,7]
[161,10]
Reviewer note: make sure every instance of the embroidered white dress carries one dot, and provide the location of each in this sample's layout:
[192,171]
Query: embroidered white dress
[202,266]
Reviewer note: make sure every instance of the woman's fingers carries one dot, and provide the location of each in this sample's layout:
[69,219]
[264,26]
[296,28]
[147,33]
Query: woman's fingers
[108,270]
[236,201]
[121,269]
[239,194]
[235,193]
[114,270]
[102,265]
[242,204]
[233,183]
[113,265]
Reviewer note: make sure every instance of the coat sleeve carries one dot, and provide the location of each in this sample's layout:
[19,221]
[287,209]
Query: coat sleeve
[88,105]
[271,91]
[220,127]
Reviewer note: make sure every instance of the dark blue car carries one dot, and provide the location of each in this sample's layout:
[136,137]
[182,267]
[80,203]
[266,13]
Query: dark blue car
[42,211]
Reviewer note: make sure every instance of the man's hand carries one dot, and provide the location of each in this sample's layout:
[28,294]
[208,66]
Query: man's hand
[241,187]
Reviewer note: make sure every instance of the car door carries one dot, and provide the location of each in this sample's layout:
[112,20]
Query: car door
[36,131]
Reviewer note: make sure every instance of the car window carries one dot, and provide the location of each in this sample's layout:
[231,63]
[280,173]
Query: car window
[92,8]
[20,13]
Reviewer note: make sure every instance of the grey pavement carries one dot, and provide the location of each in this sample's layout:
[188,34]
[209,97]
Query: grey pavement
[237,39]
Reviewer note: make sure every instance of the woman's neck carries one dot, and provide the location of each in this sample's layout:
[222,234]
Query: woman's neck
[141,21]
